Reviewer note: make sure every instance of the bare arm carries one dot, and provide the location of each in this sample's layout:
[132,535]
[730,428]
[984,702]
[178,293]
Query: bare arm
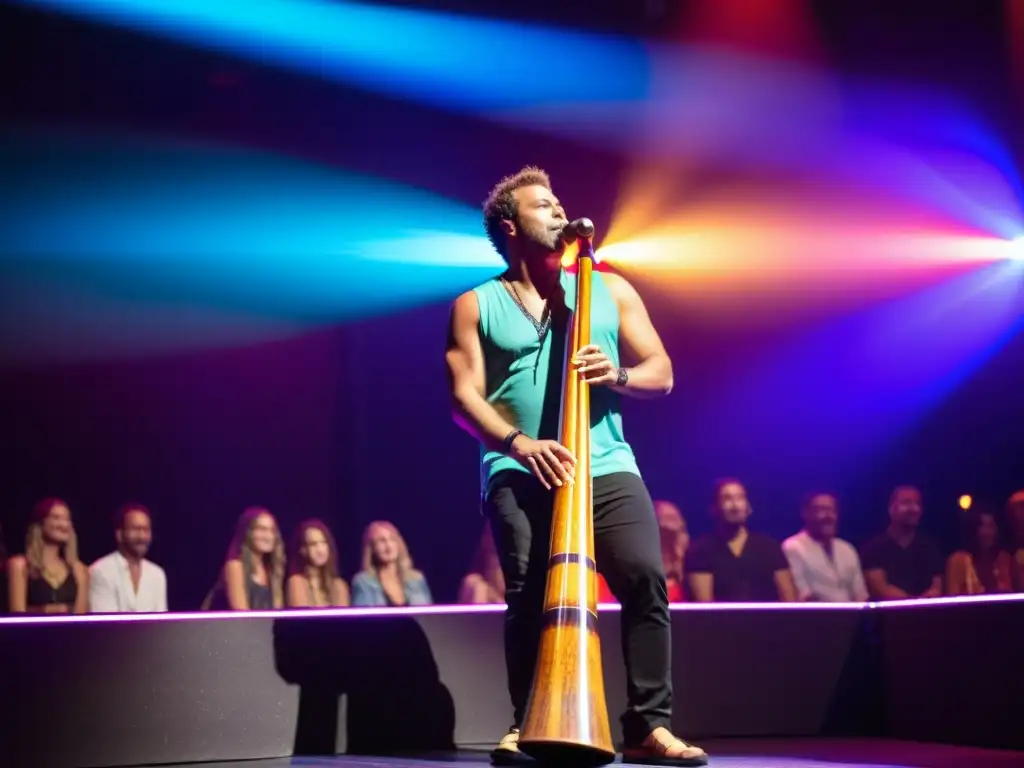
[860,589]
[702,587]
[935,590]
[234,586]
[956,574]
[798,570]
[298,594]
[784,584]
[880,588]
[465,358]
[644,355]
[549,461]
[340,597]
[17,584]
[82,597]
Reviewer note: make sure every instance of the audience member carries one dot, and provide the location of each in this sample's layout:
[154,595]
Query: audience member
[1015,515]
[825,568]
[125,581]
[387,577]
[730,564]
[3,574]
[903,562]
[980,566]
[252,578]
[485,582]
[49,578]
[675,540]
[733,564]
[313,580]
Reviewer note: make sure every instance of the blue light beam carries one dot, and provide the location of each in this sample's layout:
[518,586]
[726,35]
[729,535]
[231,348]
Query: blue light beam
[187,234]
[853,383]
[439,58]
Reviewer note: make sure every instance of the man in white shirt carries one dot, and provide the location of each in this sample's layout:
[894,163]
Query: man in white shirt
[125,581]
[825,569]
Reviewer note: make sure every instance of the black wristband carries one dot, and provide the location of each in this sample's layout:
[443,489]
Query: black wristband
[623,378]
[510,438]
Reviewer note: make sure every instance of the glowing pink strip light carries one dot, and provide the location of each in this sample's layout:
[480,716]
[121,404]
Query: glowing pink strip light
[939,601]
[462,610]
[433,610]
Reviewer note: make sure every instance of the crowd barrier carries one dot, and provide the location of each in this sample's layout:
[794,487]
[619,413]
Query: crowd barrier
[127,690]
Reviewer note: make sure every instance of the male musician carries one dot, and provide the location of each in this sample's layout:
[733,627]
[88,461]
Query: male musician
[505,355]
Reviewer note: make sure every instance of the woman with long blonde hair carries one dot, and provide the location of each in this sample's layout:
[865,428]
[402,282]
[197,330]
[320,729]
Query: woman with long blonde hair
[388,577]
[313,580]
[252,578]
[49,578]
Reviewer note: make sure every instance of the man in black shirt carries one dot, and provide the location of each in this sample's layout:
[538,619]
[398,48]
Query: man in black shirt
[903,562]
[733,565]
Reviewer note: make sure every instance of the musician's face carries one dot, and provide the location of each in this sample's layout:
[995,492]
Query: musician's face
[539,218]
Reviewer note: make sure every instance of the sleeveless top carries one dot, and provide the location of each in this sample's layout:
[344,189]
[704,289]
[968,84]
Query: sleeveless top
[260,597]
[524,374]
[42,593]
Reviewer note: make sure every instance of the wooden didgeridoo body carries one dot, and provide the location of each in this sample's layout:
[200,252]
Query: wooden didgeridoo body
[566,720]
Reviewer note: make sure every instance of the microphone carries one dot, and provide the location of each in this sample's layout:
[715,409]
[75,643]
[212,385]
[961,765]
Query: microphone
[580,228]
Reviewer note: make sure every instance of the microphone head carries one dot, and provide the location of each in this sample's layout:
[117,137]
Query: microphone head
[576,229]
[584,227]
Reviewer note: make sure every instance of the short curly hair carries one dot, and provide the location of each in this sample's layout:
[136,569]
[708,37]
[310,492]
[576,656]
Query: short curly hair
[501,204]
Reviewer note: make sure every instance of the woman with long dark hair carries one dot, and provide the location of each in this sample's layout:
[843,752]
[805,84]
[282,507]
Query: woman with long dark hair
[49,578]
[980,566]
[252,578]
[313,580]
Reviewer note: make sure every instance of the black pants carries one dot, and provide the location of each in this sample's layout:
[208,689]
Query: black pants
[627,548]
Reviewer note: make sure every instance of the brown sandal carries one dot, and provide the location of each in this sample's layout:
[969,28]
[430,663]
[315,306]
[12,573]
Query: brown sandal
[656,750]
[507,752]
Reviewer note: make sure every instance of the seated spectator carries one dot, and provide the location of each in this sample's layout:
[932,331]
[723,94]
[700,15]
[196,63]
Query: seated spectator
[1015,518]
[313,567]
[903,562]
[980,566]
[388,577]
[3,574]
[252,578]
[485,582]
[825,568]
[49,578]
[675,540]
[125,581]
[733,564]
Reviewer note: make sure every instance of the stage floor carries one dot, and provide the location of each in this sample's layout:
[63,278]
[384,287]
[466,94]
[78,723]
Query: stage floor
[732,753]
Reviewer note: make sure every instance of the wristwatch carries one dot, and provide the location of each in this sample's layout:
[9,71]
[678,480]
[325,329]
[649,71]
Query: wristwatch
[623,378]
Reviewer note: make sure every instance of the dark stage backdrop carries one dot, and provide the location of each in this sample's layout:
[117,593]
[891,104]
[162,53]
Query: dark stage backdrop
[349,422]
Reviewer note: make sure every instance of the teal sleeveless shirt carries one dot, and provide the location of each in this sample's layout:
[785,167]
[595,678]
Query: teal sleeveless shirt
[524,376]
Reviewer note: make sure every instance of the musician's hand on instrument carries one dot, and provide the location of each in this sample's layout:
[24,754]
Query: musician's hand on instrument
[594,366]
[551,462]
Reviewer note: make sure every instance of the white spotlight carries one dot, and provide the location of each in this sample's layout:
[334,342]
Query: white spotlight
[1017,248]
